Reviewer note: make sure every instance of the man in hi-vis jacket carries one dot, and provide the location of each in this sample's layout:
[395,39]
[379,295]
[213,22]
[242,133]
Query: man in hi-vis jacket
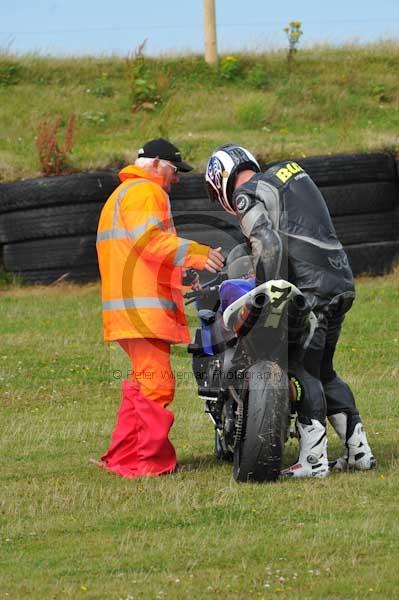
[288,229]
[142,262]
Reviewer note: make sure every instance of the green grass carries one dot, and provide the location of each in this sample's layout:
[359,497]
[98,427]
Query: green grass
[331,100]
[70,530]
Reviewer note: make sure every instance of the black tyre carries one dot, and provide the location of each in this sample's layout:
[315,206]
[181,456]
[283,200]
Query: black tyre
[347,168]
[76,274]
[190,186]
[54,253]
[335,170]
[77,188]
[225,238]
[49,222]
[373,259]
[359,198]
[211,217]
[258,456]
[208,229]
[374,227]
[190,195]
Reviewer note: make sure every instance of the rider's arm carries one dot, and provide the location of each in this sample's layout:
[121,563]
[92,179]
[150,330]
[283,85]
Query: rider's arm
[265,242]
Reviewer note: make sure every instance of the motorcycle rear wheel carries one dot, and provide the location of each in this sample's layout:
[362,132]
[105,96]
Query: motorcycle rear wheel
[258,454]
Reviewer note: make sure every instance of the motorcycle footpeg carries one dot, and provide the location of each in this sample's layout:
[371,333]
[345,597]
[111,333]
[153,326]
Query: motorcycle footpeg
[212,408]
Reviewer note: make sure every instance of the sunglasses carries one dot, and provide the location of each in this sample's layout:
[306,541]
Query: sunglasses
[171,165]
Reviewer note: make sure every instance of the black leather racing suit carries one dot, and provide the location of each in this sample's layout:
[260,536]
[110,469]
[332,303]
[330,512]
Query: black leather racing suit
[286,223]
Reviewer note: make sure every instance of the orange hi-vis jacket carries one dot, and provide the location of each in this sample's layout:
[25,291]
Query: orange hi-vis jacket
[141,260]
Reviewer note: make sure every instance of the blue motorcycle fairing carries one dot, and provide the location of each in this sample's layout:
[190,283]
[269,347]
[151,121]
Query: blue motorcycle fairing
[229,291]
[232,289]
[206,337]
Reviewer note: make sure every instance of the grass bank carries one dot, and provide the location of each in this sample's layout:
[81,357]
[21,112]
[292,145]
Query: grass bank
[69,530]
[328,100]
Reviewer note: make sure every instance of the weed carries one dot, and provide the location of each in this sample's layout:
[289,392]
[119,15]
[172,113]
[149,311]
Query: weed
[52,156]
[192,69]
[251,114]
[10,72]
[229,68]
[257,77]
[379,91]
[146,91]
[102,87]
[294,33]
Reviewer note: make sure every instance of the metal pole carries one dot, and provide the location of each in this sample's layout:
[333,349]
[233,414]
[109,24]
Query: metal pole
[211,53]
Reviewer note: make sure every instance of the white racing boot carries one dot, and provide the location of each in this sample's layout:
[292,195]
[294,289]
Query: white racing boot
[312,460]
[358,454]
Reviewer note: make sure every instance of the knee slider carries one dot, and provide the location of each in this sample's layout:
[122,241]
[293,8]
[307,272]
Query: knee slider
[296,388]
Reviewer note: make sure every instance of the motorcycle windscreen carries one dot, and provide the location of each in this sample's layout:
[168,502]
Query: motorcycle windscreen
[232,289]
[241,267]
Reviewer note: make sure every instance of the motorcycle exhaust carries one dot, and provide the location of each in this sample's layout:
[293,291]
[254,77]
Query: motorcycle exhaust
[249,313]
[298,309]
[297,312]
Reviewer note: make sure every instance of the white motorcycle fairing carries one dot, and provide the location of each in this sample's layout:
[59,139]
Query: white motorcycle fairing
[279,292]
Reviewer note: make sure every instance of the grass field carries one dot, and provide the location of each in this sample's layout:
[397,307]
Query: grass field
[329,100]
[70,530]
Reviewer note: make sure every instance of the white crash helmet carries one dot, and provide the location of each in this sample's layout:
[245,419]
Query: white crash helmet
[222,168]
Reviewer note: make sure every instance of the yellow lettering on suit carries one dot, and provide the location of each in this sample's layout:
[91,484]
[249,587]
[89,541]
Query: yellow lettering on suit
[285,173]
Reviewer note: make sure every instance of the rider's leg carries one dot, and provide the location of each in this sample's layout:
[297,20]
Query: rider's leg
[310,404]
[341,406]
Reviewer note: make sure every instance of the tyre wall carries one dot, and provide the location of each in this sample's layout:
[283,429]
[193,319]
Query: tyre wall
[48,225]
[362,194]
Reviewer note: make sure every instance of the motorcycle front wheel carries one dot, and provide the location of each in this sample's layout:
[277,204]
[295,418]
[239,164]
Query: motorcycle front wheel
[266,413]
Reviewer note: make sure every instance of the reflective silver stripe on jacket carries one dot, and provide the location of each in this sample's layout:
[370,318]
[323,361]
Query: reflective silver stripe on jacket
[120,198]
[181,252]
[170,224]
[128,234]
[269,195]
[125,303]
[249,219]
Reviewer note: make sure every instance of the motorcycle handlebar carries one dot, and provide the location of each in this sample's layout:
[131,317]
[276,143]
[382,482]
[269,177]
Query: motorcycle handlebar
[202,293]
[207,289]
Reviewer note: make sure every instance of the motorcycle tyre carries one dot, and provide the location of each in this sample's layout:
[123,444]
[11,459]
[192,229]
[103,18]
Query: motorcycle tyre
[257,458]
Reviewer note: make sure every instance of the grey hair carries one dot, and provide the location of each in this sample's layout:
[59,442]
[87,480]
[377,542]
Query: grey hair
[148,163]
[144,163]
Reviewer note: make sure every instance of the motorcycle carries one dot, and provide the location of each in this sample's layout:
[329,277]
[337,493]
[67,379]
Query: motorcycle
[240,362]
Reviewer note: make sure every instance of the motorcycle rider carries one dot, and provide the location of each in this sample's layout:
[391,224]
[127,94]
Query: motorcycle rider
[288,229]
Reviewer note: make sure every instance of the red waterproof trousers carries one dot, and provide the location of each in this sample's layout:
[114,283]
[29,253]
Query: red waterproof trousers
[140,445]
